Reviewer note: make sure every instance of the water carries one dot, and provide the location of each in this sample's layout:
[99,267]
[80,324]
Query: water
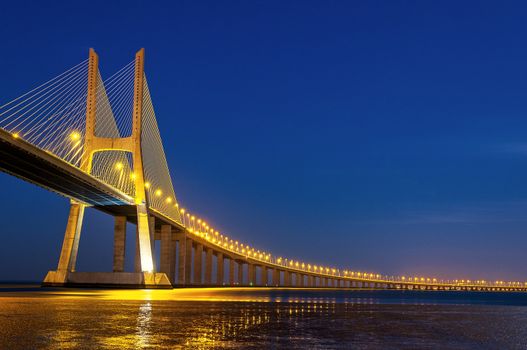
[34,318]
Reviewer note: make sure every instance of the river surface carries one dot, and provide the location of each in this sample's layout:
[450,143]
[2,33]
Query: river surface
[209,318]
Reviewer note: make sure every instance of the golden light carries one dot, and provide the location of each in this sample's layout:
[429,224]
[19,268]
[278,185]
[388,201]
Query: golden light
[169,200]
[16,135]
[119,166]
[182,210]
[75,136]
[132,176]
[147,185]
[159,192]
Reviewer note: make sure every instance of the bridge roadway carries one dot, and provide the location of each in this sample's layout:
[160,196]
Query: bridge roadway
[194,250]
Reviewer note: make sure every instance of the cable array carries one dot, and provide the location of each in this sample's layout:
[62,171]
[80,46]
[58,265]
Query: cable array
[159,188]
[52,116]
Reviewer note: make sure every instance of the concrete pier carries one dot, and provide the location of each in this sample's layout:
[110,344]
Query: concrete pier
[119,243]
[219,269]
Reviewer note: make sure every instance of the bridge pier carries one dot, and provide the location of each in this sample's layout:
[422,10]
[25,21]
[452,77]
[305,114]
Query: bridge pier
[252,275]
[276,278]
[240,273]
[198,258]
[119,243]
[181,242]
[219,269]
[167,250]
[208,266]
[287,279]
[264,280]
[231,271]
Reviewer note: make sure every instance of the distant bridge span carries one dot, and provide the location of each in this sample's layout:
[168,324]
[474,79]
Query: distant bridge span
[97,143]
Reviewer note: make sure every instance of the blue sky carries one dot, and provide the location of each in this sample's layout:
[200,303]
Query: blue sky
[386,136]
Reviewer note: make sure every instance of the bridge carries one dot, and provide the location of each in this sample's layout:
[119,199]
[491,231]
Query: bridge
[97,142]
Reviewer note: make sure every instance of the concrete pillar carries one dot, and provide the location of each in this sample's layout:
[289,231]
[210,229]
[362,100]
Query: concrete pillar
[311,281]
[198,257]
[231,271]
[276,277]
[264,276]
[188,261]
[137,258]
[172,271]
[119,243]
[152,228]
[252,275]
[208,267]
[181,238]
[166,250]
[287,279]
[70,244]
[300,280]
[219,269]
[240,273]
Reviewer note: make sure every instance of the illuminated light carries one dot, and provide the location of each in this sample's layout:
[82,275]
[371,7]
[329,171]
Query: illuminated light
[132,176]
[182,210]
[147,186]
[192,218]
[216,233]
[199,221]
[75,136]
[159,192]
[169,200]
[119,166]
[16,135]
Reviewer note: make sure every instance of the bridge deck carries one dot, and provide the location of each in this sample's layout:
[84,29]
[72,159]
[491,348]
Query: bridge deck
[23,160]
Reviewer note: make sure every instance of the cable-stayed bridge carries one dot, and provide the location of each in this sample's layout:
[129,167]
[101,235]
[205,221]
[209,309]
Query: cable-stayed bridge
[97,143]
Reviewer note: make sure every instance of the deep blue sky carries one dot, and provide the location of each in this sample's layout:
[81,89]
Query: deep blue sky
[384,136]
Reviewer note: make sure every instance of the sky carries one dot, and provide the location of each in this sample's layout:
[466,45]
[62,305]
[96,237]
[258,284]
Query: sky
[383,136]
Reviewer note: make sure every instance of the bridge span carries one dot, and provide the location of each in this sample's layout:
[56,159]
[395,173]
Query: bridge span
[97,143]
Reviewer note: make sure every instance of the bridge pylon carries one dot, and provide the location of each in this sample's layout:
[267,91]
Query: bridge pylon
[145,275]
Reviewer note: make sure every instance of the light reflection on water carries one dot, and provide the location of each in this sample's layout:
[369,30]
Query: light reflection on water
[237,318]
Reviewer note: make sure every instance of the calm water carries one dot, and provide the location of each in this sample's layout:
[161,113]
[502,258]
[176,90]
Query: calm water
[34,318]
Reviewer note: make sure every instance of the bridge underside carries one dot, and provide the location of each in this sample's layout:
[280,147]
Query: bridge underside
[31,164]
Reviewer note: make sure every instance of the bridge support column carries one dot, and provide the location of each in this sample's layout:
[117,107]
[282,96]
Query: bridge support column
[300,282]
[166,251]
[219,269]
[252,275]
[198,258]
[181,238]
[231,271]
[287,279]
[188,261]
[264,280]
[119,243]
[240,274]
[276,278]
[70,245]
[208,267]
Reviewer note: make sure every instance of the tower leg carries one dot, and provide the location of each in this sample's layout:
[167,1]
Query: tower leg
[119,243]
[145,247]
[70,247]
